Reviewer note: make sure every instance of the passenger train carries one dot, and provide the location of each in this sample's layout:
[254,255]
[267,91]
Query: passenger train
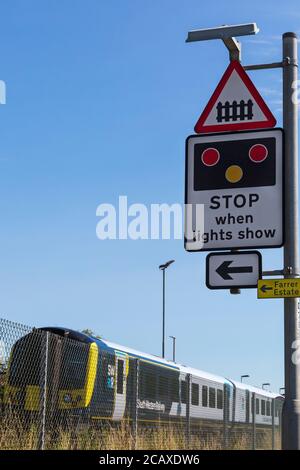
[100,380]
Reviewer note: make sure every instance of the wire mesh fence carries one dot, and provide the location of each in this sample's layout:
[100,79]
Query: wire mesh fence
[61,392]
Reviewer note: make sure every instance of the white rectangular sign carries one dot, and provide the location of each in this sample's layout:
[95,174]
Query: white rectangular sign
[228,270]
[238,179]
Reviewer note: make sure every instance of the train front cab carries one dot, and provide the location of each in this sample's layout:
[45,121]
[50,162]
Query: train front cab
[64,370]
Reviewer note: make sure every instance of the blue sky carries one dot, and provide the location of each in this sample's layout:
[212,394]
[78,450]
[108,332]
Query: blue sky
[100,98]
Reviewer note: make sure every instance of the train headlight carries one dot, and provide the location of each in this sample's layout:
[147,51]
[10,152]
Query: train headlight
[67,398]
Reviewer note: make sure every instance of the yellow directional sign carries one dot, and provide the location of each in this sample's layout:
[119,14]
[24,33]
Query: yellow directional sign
[278,288]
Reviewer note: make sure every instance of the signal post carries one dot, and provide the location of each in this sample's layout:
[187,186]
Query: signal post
[230,110]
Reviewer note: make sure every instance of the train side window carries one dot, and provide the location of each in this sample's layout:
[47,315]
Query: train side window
[257,406]
[212,397]
[120,376]
[219,399]
[195,394]
[183,391]
[162,386]
[268,408]
[204,395]
[150,386]
[174,390]
[263,407]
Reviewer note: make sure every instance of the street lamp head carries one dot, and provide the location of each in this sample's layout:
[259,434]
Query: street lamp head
[162,267]
[222,32]
[245,376]
[267,384]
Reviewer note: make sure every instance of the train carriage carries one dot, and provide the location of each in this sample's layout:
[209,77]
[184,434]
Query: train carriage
[98,380]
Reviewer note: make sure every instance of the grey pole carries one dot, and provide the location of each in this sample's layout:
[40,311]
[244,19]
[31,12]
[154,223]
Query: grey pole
[164,314]
[163,267]
[291,407]
[44,386]
[174,347]
[253,421]
[188,410]
[273,424]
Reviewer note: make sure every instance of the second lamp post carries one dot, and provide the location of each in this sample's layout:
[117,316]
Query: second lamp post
[163,268]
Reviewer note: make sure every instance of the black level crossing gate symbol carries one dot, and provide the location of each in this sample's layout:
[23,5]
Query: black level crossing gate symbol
[241,111]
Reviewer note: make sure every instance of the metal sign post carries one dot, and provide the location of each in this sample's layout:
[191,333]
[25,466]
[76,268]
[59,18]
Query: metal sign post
[289,65]
[291,407]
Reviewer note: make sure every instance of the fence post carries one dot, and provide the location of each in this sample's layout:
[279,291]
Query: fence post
[188,411]
[234,110]
[225,417]
[227,111]
[220,112]
[242,110]
[43,388]
[135,384]
[249,110]
[273,424]
[253,421]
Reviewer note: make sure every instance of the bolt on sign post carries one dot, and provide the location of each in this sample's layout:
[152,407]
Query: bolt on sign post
[245,174]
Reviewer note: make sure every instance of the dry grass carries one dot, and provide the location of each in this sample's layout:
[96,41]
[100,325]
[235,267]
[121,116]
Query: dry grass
[13,436]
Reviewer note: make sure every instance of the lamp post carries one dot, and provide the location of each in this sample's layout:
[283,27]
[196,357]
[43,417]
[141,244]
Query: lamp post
[267,384]
[163,268]
[174,347]
[244,377]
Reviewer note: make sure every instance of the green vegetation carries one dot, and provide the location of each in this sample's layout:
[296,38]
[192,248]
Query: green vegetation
[15,436]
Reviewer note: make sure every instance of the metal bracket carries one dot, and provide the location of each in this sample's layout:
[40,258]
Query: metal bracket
[275,272]
[274,65]
[288,271]
[288,61]
[234,48]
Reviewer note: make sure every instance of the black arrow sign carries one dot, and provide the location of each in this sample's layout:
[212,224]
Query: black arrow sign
[265,288]
[224,270]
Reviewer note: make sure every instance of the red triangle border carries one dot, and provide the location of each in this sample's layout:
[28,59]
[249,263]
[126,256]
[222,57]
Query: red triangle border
[270,119]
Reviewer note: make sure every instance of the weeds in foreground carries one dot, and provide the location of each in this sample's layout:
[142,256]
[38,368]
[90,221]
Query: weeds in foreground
[15,436]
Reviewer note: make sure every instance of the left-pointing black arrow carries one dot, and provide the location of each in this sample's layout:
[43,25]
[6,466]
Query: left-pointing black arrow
[265,288]
[224,270]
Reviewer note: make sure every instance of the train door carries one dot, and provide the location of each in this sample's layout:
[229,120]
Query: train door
[120,386]
[247,406]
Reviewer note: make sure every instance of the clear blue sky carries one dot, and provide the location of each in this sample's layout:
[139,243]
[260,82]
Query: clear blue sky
[100,98]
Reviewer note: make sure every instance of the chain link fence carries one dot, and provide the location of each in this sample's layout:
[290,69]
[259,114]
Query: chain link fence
[58,392]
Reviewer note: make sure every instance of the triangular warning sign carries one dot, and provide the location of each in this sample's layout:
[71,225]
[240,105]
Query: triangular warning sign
[235,105]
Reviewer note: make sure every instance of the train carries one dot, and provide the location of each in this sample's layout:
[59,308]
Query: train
[99,381]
